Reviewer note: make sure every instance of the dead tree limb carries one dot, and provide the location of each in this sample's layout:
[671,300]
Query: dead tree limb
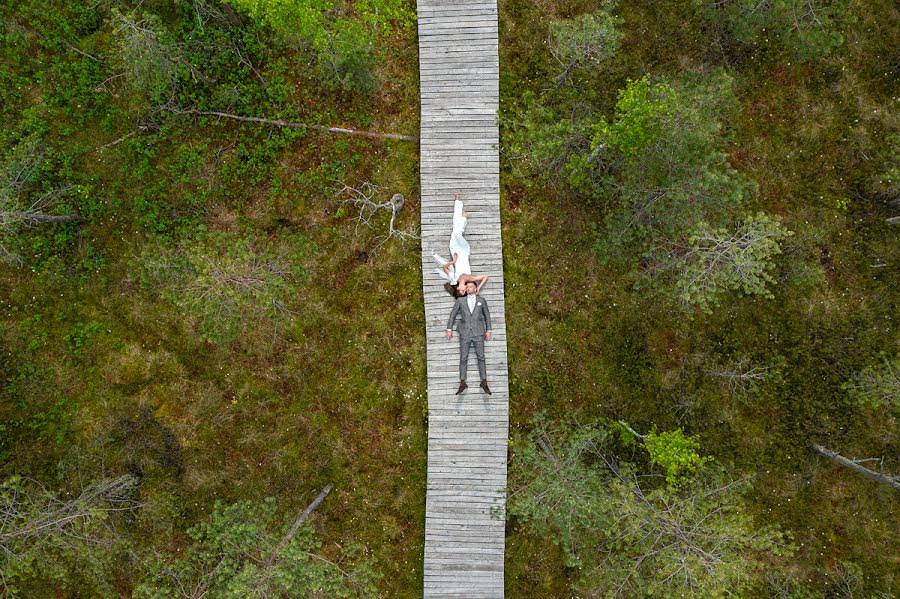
[286,539]
[740,376]
[362,200]
[632,431]
[121,139]
[29,513]
[293,125]
[886,479]
[17,211]
[52,218]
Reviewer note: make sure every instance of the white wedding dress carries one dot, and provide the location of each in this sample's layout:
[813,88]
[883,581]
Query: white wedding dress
[458,246]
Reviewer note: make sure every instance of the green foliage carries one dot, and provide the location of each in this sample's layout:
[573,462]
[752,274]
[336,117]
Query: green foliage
[146,54]
[808,141]
[878,386]
[699,541]
[65,538]
[556,493]
[81,335]
[682,177]
[310,19]
[95,365]
[343,35]
[675,453]
[229,284]
[809,29]
[641,111]
[658,167]
[585,40]
[549,147]
[741,260]
[239,552]
[37,201]
[630,538]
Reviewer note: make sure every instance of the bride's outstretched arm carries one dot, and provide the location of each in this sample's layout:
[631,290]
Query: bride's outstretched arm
[481,280]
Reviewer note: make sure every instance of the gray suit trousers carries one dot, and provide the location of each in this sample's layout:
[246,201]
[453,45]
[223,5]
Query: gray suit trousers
[465,343]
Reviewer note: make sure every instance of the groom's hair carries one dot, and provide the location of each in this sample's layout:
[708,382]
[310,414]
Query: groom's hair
[451,289]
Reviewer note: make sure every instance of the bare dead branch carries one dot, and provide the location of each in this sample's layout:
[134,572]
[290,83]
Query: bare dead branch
[298,523]
[885,479]
[29,513]
[362,200]
[740,376]
[294,125]
[121,139]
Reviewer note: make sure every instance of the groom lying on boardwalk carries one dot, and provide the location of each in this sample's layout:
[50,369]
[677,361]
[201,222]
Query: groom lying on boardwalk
[474,329]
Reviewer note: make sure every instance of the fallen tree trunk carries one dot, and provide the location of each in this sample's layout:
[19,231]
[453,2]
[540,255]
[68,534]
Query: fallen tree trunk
[293,125]
[298,523]
[886,479]
[51,218]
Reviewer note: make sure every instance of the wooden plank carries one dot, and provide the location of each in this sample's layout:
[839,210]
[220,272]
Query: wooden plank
[431,83]
[475,51]
[443,7]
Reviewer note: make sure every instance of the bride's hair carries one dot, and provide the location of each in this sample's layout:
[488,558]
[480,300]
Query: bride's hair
[451,289]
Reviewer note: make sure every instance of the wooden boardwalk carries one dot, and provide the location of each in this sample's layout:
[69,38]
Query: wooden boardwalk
[465,510]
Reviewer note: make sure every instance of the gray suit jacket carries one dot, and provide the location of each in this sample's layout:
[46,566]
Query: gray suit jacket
[471,324]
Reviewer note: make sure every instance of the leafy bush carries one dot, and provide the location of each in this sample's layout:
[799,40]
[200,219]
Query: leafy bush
[344,44]
[242,551]
[228,284]
[675,453]
[629,537]
[809,29]
[741,260]
[641,112]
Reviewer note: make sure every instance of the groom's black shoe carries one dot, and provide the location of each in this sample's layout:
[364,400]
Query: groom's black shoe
[485,387]
[462,387]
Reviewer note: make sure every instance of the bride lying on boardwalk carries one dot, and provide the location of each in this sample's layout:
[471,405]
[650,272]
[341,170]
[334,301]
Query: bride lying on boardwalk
[457,271]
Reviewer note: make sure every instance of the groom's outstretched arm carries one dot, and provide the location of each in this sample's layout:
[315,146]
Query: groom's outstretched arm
[450,320]
[487,318]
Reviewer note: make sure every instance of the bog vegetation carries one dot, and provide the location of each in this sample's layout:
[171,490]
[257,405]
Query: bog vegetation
[199,336]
